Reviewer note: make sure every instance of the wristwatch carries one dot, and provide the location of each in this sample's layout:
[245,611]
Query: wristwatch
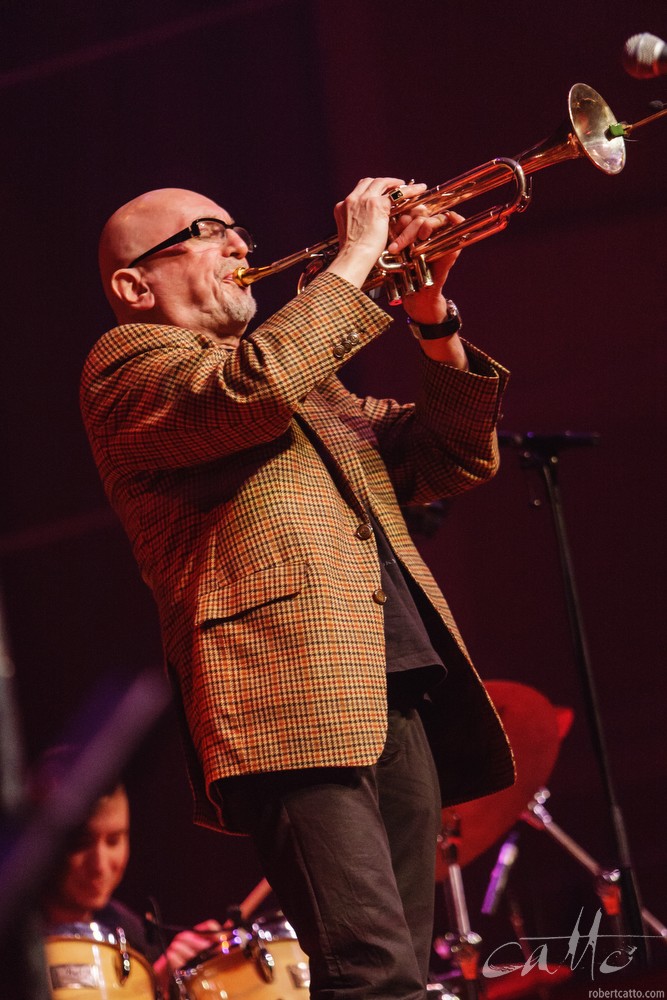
[450,325]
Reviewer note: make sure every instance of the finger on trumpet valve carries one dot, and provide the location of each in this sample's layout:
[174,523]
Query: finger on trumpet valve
[442,218]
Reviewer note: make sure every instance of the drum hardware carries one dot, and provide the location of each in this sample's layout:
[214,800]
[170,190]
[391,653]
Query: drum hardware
[437,991]
[463,948]
[261,958]
[210,973]
[279,938]
[90,962]
[264,962]
[236,960]
[125,965]
[463,942]
[535,729]
[607,881]
[518,978]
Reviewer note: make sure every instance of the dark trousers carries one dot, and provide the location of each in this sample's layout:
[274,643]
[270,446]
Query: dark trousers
[350,853]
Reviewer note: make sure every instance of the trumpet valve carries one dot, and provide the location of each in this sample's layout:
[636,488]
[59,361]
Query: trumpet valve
[394,293]
[398,284]
[422,272]
[413,274]
[397,273]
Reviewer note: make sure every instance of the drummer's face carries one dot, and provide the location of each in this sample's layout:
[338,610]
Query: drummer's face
[99,857]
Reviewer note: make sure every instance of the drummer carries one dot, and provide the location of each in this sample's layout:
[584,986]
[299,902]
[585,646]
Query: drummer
[82,890]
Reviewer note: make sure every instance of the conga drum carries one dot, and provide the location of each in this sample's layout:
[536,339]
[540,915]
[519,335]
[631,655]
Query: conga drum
[230,968]
[263,964]
[291,972]
[89,962]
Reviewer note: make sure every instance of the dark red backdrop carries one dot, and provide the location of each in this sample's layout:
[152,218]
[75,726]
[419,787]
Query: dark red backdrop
[275,108]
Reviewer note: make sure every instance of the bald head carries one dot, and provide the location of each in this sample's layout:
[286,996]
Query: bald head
[178,286]
[146,221]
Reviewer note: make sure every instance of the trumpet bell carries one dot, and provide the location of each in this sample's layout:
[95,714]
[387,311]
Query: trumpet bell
[587,131]
[592,119]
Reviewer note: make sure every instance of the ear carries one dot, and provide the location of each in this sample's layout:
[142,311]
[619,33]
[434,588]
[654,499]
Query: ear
[129,285]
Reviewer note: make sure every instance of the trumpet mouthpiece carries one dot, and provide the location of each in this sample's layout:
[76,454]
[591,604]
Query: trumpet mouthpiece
[238,277]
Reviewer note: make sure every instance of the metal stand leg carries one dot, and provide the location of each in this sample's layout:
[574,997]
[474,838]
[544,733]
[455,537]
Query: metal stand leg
[464,943]
[608,884]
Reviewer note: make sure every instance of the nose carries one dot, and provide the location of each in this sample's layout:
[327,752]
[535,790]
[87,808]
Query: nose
[101,860]
[95,861]
[235,246]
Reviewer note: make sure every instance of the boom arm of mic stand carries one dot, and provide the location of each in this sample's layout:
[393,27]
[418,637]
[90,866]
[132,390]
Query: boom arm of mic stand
[538,816]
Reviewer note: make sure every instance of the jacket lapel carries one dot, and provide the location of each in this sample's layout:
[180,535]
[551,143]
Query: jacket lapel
[328,423]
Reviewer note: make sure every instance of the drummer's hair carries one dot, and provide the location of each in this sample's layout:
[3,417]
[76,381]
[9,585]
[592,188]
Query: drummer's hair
[53,772]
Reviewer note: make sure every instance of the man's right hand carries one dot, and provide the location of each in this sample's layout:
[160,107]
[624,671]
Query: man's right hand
[363,225]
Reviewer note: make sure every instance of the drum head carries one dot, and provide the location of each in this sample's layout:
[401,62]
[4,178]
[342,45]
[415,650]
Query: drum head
[229,946]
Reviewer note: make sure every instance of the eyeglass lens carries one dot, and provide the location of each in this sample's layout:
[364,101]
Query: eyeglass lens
[213,229]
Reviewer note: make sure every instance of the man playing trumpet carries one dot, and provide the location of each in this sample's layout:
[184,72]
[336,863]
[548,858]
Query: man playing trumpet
[305,637]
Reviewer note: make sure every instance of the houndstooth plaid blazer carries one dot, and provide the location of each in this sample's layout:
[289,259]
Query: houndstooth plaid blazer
[242,478]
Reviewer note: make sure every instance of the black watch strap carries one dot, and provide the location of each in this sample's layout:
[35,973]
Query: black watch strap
[450,325]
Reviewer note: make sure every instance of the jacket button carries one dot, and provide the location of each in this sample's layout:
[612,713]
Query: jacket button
[339,351]
[364,531]
[379,596]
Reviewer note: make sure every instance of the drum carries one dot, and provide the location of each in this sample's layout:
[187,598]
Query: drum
[88,962]
[291,973]
[265,964]
[231,967]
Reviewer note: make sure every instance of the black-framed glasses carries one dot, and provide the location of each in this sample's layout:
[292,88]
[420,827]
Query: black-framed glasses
[210,230]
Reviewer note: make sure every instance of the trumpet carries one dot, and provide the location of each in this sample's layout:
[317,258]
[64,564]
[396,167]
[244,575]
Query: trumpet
[590,131]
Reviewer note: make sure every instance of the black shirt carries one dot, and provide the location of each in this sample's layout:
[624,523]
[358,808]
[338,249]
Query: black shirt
[407,642]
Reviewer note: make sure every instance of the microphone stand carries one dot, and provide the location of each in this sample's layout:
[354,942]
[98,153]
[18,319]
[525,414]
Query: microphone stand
[541,452]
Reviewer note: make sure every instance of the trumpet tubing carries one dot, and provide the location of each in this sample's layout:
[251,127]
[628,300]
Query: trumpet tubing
[589,131]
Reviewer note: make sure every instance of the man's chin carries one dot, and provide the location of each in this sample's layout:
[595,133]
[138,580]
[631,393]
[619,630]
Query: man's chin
[97,901]
[241,311]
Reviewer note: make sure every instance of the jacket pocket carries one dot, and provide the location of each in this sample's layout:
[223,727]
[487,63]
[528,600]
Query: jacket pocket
[274,583]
